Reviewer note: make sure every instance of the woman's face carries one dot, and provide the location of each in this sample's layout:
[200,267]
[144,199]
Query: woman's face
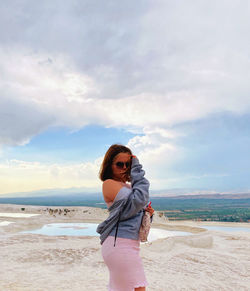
[120,166]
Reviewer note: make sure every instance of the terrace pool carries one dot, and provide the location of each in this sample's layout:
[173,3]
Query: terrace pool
[227,228]
[89,229]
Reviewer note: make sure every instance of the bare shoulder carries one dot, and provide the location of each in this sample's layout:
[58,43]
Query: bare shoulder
[110,188]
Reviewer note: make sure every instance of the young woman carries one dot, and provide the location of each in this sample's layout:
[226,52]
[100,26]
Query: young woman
[119,233]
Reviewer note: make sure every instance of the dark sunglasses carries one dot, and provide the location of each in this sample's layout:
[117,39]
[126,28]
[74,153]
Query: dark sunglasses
[122,164]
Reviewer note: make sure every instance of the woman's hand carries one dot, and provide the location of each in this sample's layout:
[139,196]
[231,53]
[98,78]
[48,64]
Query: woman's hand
[150,209]
[125,176]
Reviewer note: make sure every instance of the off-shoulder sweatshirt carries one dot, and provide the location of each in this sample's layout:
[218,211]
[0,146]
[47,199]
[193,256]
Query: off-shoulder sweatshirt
[128,204]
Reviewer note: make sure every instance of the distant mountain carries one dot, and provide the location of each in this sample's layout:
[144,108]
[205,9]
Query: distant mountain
[207,196]
[83,191]
[190,193]
[91,193]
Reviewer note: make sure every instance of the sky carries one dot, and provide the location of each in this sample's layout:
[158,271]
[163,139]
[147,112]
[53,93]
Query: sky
[169,79]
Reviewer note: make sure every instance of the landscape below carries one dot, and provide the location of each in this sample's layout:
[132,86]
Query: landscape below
[226,208]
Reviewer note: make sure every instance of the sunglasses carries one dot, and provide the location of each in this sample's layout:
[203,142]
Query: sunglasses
[122,164]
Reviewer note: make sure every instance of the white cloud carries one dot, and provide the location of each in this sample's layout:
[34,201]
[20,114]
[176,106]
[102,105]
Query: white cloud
[157,152]
[147,67]
[38,91]
[53,92]
[20,120]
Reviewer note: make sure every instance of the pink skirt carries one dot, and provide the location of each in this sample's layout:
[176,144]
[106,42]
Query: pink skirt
[124,263]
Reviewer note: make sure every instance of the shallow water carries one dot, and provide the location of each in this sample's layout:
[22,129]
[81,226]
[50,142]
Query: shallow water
[227,228]
[156,233]
[89,229]
[17,215]
[72,229]
[3,223]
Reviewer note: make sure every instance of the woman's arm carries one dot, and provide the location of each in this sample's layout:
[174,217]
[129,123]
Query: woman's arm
[139,196]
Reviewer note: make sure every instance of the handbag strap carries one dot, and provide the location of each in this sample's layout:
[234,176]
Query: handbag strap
[117,224]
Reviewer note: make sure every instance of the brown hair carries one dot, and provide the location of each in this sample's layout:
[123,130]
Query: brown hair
[106,167]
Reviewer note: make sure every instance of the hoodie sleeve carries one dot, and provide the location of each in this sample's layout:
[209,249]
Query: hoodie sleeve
[139,196]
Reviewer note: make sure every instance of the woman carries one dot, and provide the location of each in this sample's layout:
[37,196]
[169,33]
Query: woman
[119,233]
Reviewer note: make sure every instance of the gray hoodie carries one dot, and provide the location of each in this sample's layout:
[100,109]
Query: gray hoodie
[127,207]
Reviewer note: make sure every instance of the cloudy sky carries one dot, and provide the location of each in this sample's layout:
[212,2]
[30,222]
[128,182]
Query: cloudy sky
[170,79]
